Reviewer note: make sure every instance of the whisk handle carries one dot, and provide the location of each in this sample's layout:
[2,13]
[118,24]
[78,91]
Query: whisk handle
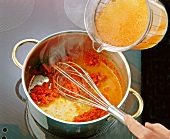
[117,113]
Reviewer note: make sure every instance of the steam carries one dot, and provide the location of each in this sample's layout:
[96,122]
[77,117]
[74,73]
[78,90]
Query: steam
[65,45]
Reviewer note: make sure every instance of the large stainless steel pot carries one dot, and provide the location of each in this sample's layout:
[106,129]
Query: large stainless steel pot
[48,49]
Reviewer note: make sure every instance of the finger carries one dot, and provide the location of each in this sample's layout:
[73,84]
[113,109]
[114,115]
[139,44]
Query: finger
[139,130]
[158,128]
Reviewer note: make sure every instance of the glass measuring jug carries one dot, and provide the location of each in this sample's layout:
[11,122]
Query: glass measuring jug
[120,25]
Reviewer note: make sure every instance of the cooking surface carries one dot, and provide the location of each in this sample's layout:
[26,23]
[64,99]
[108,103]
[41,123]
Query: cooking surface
[37,19]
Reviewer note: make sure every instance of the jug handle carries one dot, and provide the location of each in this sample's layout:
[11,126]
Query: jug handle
[14,51]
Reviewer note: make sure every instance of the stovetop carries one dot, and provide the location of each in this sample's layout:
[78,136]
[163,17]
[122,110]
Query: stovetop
[37,19]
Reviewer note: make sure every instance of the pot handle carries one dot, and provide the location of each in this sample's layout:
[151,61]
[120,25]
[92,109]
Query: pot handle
[119,114]
[140,101]
[14,58]
[23,99]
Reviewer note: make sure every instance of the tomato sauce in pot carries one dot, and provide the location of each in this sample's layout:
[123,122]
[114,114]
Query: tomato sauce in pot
[102,71]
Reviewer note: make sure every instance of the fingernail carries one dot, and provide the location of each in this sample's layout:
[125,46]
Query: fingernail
[147,123]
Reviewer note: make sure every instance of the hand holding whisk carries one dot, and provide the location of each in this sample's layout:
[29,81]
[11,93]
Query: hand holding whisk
[85,91]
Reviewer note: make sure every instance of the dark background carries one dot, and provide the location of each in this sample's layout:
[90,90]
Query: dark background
[156,80]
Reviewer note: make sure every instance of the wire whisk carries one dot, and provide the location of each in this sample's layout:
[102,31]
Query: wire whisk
[75,83]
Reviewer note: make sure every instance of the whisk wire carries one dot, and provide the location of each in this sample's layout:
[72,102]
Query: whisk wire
[78,96]
[81,99]
[80,85]
[91,83]
[97,90]
[90,97]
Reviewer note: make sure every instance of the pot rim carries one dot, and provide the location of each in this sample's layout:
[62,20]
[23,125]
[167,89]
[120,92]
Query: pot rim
[41,111]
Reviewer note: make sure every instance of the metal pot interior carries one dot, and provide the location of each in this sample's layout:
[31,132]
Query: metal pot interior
[52,48]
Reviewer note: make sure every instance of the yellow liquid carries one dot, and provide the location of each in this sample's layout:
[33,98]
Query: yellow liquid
[122,22]
[112,88]
[158,28]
